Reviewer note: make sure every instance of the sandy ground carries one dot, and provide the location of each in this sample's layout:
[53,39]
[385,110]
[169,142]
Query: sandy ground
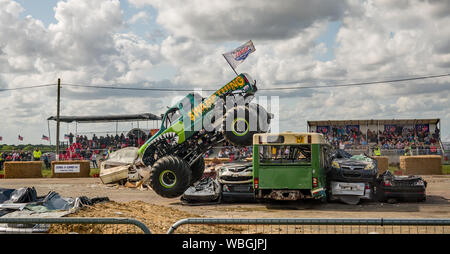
[159,213]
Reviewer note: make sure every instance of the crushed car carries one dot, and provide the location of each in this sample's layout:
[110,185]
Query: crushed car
[236,180]
[206,191]
[122,167]
[351,177]
[392,188]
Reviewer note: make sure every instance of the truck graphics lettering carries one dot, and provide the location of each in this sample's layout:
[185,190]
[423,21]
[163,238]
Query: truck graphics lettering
[233,85]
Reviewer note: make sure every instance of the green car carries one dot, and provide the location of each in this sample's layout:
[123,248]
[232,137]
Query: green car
[193,126]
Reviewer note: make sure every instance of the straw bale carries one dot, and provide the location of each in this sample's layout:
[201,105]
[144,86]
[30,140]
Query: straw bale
[23,169]
[421,165]
[383,163]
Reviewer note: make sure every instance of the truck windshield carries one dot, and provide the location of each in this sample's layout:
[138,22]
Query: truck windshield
[285,154]
[171,117]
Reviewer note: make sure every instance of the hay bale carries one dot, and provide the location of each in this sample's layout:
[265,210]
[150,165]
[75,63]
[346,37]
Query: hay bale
[64,170]
[421,165]
[23,169]
[216,160]
[383,163]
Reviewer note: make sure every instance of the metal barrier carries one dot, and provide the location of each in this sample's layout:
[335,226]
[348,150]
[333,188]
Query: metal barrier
[72,225]
[311,226]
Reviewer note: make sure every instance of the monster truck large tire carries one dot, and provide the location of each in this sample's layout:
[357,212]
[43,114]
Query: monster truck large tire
[170,176]
[197,169]
[263,117]
[239,125]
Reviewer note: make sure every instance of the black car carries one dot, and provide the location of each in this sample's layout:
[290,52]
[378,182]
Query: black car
[393,188]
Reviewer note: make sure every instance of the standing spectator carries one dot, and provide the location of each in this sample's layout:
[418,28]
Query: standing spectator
[37,154]
[1,161]
[71,138]
[94,160]
[46,162]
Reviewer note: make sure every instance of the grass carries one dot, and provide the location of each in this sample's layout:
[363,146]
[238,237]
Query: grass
[393,169]
[446,169]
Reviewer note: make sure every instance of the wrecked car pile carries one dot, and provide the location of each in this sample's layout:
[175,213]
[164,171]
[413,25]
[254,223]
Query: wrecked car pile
[351,178]
[232,182]
[25,203]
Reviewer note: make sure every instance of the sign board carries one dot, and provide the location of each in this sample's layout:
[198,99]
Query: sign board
[323,129]
[67,168]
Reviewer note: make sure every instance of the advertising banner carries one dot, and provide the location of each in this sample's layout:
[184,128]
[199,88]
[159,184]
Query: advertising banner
[350,128]
[422,127]
[390,127]
[323,129]
[67,168]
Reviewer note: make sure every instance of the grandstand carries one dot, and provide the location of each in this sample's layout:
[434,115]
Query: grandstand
[394,137]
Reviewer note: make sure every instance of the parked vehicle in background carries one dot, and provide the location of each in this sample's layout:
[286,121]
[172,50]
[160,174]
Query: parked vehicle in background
[391,188]
[236,180]
[290,166]
[351,178]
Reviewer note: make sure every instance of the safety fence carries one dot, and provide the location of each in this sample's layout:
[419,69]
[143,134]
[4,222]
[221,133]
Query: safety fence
[226,226]
[72,226]
[311,226]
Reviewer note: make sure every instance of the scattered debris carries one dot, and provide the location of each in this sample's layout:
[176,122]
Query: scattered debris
[24,202]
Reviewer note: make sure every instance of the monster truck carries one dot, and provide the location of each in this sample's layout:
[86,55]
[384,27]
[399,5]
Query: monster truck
[193,126]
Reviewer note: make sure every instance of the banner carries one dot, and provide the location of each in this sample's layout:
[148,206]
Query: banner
[423,127]
[67,168]
[350,128]
[323,129]
[390,127]
[237,56]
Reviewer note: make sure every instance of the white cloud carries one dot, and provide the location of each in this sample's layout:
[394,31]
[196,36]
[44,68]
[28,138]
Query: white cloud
[142,15]
[220,20]
[88,44]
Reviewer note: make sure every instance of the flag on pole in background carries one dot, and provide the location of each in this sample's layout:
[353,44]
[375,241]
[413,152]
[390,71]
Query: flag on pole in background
[44,137]
[20,138]
[66,136]
[1,138]
[237,56]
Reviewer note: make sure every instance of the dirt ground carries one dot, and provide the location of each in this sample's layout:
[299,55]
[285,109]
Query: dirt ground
[160,213]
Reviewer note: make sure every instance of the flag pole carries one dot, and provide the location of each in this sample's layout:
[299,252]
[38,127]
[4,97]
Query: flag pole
[230,65]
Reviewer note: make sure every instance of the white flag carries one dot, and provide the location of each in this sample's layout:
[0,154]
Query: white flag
[237,56]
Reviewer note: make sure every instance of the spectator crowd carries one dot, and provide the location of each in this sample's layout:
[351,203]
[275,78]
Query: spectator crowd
[82,148]
[21,155]
[396,137]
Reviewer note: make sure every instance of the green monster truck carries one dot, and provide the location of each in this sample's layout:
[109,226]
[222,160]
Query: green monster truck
[193,126]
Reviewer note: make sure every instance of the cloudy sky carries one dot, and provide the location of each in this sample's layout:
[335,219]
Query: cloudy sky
[179,44]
